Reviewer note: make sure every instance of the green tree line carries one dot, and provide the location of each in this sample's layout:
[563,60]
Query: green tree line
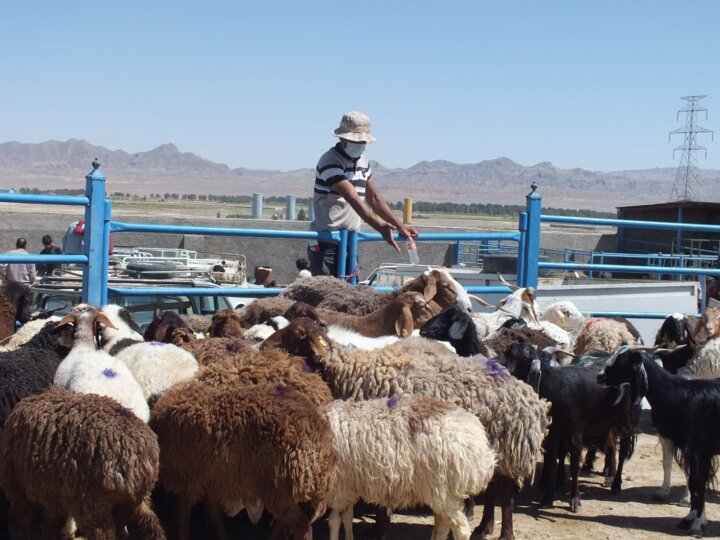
[489,209]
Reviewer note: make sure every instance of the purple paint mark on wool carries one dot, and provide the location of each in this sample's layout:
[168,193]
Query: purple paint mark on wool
[688,377]
[157,343]
[494,368]
[109,373]
[233,347]
[393,402]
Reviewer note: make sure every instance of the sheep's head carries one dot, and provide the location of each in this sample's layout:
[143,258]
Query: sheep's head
[179,336]
[449,325]
[410,310]
[88,323]
[122,322]
[675,331]
[226,323]
[302,337]
[711,321]
[301,309]
[441,287]
[162,326]
[564,314]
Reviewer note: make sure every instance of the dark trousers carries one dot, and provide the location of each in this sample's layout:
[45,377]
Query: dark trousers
[323,258]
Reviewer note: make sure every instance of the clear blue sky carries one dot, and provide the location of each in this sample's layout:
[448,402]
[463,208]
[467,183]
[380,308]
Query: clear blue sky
[260,84]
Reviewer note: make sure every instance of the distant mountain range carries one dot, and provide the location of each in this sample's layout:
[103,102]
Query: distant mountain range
[58,164]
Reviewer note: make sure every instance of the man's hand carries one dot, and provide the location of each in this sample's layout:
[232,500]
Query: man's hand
[386,230]
[408,231]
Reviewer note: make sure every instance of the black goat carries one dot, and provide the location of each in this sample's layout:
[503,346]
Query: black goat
[676,340]
[683,411]
[581,411]
[457,327]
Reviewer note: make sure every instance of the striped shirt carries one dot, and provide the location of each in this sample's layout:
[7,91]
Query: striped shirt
[333,212]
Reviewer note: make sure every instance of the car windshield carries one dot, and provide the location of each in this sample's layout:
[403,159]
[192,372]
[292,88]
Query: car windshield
[142,308]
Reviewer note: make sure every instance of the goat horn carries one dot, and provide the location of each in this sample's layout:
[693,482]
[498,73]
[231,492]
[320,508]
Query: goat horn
[504,282]
[480,300]
[665,349]
[620,396]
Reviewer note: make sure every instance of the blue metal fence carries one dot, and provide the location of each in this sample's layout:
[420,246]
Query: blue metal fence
[99,225]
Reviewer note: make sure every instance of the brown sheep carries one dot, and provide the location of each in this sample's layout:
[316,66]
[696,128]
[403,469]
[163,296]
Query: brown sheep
[238,444]
[48,435]
[226,323]
[270,366]
[208,350]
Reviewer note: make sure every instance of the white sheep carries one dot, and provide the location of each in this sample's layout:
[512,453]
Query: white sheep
[405,452]
[156,366]
[88,370]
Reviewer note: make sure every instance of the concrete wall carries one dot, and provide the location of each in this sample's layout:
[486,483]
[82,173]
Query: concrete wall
[277,253]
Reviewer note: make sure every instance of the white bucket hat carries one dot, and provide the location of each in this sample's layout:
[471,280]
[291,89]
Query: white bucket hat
[354,126]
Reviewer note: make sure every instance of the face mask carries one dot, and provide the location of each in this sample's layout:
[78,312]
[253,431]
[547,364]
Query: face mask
[354,150]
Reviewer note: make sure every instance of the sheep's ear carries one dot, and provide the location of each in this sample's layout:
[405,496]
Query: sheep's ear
[161,332]
[404,322]
[67,319]
[430,289]
[458,328]
[102,318]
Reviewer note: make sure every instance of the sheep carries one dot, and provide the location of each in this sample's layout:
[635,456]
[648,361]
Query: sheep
[15,301]
[226,323]
[155,366]
[568,317]
[273,365]
[330,293]
[514,417]
[198,323]
[683,411]
[208,350]
[406,451]
[398,317]
[90,371]
[260,310]
[581,411]
[236,444]
[30,369]
[44,440]
[25,333]
[603,334]
[163,325]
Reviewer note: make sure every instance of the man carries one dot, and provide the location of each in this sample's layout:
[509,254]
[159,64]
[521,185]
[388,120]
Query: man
[345,195]
[73,238]
[20,272]
[49,249]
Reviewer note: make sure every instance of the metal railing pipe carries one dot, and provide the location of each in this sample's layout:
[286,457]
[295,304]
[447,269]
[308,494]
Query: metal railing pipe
[629,223]
[443,237]
[36,258]
[629,269]
[44,199]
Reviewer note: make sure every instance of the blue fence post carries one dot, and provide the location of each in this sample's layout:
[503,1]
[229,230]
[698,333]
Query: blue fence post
[107,217]
[342,254]
[95,273]
[532,240]
[522,228]
[353,256]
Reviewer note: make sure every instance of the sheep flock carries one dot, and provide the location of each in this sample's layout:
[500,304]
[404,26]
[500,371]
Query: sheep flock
[294,409]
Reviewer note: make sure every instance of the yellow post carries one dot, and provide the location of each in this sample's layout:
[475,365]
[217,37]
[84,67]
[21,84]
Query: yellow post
[407,211]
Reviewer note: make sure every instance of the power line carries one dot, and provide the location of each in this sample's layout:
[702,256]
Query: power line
[687,173]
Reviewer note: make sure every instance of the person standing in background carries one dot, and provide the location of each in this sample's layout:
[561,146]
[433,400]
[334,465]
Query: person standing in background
[19,272]
[48,249]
